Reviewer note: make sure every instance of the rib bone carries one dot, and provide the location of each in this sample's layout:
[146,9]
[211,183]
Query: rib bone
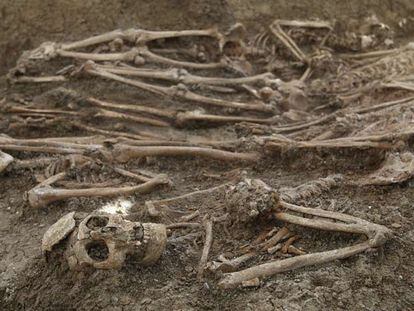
[277,30]
[377,236]
[314,218]
[206,249]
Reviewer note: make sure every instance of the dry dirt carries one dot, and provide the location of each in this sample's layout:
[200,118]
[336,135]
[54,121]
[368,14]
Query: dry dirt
[381,280]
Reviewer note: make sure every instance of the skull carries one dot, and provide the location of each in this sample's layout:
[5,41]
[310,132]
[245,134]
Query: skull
[103,241]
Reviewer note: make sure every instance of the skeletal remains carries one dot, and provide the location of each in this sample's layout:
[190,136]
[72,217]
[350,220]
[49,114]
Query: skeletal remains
[291,88]
[104,241]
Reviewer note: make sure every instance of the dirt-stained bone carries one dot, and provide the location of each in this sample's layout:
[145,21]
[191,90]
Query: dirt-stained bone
[43,195]
[248,199]
[58,231]
[376,235]
[124,153]
[104,241]
[309,189]
[5,160]
[395,169]
[180,91]
[183,76]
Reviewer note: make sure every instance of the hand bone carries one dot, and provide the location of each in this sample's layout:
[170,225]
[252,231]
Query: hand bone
[376,235]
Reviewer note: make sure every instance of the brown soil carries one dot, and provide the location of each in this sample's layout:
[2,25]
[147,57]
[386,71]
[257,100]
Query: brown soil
[381,280]
[26,24]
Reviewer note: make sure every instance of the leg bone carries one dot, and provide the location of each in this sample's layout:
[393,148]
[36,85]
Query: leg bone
[179,91]
[138,36]
[124,153]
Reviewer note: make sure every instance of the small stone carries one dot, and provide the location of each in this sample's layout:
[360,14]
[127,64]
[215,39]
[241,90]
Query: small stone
[251,283]
[389,42]
[125,300]
[146,301]
[396,225]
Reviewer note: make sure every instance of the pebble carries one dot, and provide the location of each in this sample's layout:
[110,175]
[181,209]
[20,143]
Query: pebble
[125,300]
[396,225]
[251,283]
[146,301]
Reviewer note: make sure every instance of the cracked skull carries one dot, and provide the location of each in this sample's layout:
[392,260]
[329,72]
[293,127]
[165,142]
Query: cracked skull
[104,241]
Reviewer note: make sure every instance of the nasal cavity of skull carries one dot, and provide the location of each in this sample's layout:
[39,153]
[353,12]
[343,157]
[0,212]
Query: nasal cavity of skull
[97,250]
[138,233]
[97,222]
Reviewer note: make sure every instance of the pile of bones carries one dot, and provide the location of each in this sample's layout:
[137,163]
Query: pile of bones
[295,86]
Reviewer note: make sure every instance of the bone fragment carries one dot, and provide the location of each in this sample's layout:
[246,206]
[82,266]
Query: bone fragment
[191,116]
[289,243]
[231,265]
[5,160]
[206,249]
[46,79]
[130,118]
[133,108]
[189,195]
[180,225]
[131,175]
[279,236]
[377,236]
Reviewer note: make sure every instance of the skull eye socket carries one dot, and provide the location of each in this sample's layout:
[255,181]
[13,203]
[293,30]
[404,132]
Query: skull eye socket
[96,222]
[97,250]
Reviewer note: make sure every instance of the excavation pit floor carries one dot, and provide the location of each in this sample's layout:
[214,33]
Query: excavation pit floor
[348,116]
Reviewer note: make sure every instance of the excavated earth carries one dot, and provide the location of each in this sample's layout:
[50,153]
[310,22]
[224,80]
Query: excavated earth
[378,280]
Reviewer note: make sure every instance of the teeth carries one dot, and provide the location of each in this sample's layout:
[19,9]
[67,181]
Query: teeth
[110,248]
